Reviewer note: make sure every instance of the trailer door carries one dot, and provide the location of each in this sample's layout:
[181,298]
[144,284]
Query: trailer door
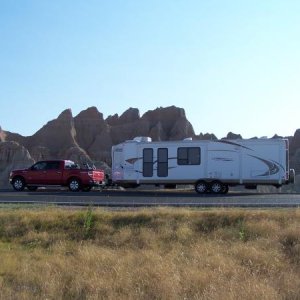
[131,162]
[117,163]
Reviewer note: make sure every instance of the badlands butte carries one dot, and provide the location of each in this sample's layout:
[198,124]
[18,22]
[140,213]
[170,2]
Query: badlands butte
[88,137]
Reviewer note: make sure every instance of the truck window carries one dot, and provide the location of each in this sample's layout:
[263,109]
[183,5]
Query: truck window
[147,162]
[39,166]
[52,165]
[162,162]
[188,156]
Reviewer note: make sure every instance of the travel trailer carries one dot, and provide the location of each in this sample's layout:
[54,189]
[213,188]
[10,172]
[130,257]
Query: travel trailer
[212,166]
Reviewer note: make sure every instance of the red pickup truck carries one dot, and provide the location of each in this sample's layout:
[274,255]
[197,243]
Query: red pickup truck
[56,172]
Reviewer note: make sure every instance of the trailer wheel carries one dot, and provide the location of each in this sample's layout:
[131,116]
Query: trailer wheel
[216,187]
[201,187]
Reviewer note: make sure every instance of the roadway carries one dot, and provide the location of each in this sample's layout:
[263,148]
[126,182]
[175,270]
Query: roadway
[149,198]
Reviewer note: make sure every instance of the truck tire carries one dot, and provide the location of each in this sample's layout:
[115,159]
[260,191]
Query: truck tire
[201,187]
[18,184]
[74,185]
[216,187]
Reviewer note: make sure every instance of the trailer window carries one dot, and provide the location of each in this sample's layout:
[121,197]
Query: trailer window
[188,156]
[148,162]
[162,162]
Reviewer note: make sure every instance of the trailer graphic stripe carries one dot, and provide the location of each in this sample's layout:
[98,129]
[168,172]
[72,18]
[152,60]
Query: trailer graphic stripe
[132,160]
[273,167]
[234,144]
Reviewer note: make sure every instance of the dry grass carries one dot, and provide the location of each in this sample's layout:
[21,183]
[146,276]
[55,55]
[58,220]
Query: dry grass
[149,254]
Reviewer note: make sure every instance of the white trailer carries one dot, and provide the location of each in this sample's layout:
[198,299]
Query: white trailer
[211,166]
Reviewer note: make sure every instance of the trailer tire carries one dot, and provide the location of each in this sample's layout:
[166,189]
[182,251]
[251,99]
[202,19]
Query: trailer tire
[216,187]
[201,187]
[74,185]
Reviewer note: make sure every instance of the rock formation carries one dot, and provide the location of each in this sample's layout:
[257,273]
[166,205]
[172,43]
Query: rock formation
[93,134]
[233,136]
[295,142]
[2,135]
[57,135]
[12,156]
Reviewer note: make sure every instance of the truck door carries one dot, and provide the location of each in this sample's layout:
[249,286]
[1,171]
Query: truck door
[36,174]
[53,174]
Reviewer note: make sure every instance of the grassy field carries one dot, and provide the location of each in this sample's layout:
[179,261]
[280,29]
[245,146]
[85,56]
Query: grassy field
[50,253]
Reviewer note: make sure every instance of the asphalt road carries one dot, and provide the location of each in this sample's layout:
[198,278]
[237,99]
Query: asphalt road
[152,198]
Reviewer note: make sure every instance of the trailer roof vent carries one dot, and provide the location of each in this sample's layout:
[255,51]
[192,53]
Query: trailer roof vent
[142,139]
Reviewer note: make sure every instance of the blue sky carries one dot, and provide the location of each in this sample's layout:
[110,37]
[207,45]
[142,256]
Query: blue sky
[232,65]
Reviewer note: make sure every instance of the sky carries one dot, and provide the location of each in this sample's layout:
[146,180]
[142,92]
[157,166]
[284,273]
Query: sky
[233,65]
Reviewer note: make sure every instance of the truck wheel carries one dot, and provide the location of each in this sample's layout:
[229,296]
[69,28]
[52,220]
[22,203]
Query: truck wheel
[216,187]
[74,185]
[18,184]
[201,187]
